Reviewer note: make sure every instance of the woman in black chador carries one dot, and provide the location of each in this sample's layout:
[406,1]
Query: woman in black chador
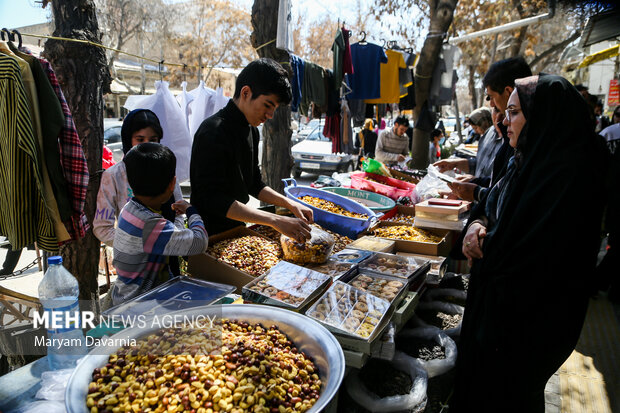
[533,249]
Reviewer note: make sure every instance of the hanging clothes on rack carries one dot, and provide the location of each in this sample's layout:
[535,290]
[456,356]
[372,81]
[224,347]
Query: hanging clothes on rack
[176,134]
[346,131]
[332,116]
[405,75]
[24,217]
[389,75]
[72,159]
[341,56]
[358,111]
[314,89]
[184,98]
[53,213]
[201,107]
[284,36]
[297,84]
[365,82]
[444,76]
[219,100]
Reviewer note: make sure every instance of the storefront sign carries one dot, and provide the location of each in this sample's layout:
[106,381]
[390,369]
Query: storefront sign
[613,99]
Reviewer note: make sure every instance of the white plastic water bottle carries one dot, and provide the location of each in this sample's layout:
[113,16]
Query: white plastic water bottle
[59,292]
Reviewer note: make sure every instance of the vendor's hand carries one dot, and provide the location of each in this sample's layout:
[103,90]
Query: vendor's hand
[401,158]
[294,228]
[472,243]
[180,206]
[465,178]
[302,212]
[464,190]
[449,164]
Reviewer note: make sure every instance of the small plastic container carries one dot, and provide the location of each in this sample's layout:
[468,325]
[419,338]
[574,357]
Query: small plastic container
[390,289]
[352,255]
[383,185]
[395,265]
[335,269]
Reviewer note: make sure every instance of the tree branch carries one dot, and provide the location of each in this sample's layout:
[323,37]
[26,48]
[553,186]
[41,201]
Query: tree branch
[555,48]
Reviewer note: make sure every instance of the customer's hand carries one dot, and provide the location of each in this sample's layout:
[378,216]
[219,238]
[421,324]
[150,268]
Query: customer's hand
[463,190]
[449,164]
[472,242]
[401,158]
[302,212]
[180,206]
[465,178]
[294,228]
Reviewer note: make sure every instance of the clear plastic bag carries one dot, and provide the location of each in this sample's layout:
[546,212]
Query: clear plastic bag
[430,186]
[43,406]
[54,384]
[414,401]
[434,367]
[314,251]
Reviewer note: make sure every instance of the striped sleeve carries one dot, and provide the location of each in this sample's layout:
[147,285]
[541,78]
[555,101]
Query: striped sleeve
[161,237]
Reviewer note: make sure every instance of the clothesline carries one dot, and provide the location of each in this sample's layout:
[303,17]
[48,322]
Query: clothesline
[159,62]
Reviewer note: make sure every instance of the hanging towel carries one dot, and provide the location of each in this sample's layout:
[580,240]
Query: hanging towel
[176,135]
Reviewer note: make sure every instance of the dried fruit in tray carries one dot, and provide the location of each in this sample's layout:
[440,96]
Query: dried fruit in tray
[289,284]
[402,219]
[350,310]
[316,250]
[330,207]
[407,233]
[174,367]
[341,240]
[251,254]
[390,264]
[333,268]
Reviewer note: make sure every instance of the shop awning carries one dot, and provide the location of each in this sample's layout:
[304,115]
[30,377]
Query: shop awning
[602,55]
[603,26]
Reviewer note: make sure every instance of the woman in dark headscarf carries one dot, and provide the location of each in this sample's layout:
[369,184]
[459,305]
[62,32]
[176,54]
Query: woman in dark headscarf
[533,252]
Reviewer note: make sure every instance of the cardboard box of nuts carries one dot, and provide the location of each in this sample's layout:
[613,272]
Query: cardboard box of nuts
[207,267]
[287,285]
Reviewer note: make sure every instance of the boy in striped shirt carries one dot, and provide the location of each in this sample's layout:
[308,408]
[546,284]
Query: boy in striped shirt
[144,239]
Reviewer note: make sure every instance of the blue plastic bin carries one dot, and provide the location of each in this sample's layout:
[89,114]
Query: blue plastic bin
[340,224]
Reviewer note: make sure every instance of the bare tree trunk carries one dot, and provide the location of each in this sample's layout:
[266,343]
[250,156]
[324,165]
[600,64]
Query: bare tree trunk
[442,12]
[83,75]
[515,48]
[473,93]
[277,159]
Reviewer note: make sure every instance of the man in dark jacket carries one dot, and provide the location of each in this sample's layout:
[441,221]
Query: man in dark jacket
[224,169]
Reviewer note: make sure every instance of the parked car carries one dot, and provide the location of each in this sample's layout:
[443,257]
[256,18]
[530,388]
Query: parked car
[111,130]
[314,155]
[117,151]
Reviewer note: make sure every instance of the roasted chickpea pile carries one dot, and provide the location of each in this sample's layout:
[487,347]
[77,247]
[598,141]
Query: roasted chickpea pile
[408,233]
[259,370]
[402,219]
[330,207]
[251,254]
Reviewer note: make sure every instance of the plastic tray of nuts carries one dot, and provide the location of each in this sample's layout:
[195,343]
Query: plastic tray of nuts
[307,336]
[390,289]
[395,265]
[286,285]
[345,309]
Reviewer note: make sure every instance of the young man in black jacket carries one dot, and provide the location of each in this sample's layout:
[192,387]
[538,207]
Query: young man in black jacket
[224,169]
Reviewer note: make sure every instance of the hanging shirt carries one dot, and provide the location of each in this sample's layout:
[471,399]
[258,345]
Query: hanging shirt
[201,107]
[176,135]
[284,37]
[390,86]
[314,89]
[297,65]
[405,76]
[24,217]
[184,99]
[219,100]
[33,104]
[347,62]
[444,76]
[73,161]
[366,81]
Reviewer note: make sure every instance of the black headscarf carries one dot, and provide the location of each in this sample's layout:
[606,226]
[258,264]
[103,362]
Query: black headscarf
[528,295]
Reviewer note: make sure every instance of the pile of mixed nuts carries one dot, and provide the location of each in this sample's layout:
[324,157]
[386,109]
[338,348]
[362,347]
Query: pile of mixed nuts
[251,254]
[173,370]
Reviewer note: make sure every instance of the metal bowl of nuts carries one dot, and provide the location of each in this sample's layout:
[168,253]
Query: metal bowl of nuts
[269,358]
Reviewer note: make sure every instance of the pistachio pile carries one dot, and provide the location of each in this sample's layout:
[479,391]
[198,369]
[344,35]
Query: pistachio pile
[330,207]
[251,254]
[259,370]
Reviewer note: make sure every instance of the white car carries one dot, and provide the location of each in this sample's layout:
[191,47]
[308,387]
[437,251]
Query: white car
[314,155]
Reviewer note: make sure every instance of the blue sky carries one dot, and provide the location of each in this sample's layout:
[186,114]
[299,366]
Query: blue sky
[17,13]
